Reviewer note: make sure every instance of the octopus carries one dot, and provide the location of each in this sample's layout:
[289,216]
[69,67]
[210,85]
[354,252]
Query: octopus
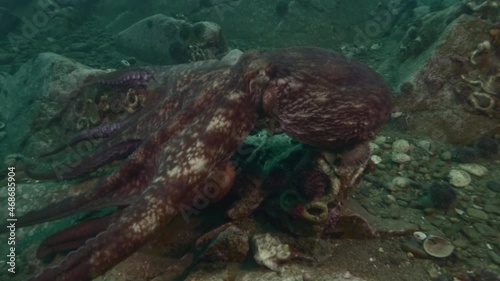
[177,149]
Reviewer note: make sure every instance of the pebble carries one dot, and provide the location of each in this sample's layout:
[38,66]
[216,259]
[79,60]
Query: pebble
[400,158]
[485,230]
[425,145]
[401,181]
[446,156]
[476,213]
[473,168]
[401,146]
[493,186]
[415,249]
[380,140]
[495,258]
[376,159]
[493,209]
[459,178]
[374,147]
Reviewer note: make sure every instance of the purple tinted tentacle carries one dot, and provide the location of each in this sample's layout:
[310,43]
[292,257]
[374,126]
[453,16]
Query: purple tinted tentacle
[75,236]
[98,132]
[130,77]
[118,189]
[89,163]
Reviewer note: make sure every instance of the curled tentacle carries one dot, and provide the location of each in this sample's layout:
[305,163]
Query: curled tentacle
[73,237]
[99,132]
[71,169]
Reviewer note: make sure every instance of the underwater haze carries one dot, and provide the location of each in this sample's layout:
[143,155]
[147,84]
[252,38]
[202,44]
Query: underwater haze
[294,140]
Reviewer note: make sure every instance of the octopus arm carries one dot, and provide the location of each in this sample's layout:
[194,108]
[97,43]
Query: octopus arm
[136,226]
[73,237]
[90,163]
[99,132]
[118,189]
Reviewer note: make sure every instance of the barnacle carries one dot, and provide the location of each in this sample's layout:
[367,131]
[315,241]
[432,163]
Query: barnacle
[484,99]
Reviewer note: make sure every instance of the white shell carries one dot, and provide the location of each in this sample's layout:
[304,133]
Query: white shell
[438,247]
[419,235]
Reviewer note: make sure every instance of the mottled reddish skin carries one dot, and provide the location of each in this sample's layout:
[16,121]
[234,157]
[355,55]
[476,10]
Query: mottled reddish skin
[206,111]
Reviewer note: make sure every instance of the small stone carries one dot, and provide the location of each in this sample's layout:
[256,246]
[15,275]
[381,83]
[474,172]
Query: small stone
[446,156]
[401,158]
[495,258]
[492,209]
[401,182]
[229,245]
[415,249]
[376,159]
[374,147]
[397,114]
[473,168]
[380,140]
[493,186]
[459,178]
[485,230]
[401,146]
[476,213]
[425,145]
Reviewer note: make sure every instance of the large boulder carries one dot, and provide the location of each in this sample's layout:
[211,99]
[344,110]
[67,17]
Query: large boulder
[160,39]
[33,97]
[445,94]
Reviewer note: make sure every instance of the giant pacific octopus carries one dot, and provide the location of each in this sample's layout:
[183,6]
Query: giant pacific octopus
[178,146]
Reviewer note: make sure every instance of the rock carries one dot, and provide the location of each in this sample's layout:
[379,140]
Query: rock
[495,258]
[8,21]
[232,56]
[486,230]
[414,248]
[231,245]
[401,182]
[400,146]
[380,140]
[492,208]
[434,109]
[476,213]
[459,178]
[269,251]
[376,159]
[373,147]
[494,186]
[473,168]
[445,156]
[400,158]
[164,40]
[33,96]
[425,145]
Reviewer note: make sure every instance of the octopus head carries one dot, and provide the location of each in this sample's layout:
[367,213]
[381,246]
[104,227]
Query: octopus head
[317,96]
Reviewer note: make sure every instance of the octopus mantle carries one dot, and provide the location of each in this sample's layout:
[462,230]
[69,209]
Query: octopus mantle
[179,142]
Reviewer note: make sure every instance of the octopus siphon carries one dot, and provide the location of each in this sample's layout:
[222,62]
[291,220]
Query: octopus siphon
[178,146]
